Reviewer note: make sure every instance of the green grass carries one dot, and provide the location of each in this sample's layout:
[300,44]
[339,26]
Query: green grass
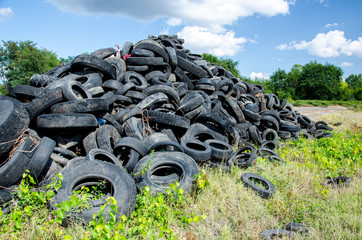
[354,104]
[231,211]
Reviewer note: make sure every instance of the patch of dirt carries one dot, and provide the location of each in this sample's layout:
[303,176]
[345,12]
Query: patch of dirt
[316,112]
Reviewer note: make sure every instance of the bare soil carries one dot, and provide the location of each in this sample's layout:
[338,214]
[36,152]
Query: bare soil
[315,113]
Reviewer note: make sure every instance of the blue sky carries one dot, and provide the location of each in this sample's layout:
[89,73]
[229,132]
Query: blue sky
[262,35]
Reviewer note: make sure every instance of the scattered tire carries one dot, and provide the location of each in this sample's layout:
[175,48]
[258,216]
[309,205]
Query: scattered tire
[250,180]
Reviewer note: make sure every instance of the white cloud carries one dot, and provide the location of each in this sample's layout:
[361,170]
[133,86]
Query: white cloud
[212,13]
[347,64]
[259,76]
[331,25]
[6,13]
[331,44]
[200,40]
[174,22]
[204,21]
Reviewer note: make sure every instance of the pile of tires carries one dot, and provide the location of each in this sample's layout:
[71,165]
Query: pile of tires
[148,114]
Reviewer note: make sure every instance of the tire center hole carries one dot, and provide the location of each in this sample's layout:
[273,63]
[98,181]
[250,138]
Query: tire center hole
[95,187]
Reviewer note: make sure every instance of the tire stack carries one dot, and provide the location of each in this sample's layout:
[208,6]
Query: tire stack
[148,114]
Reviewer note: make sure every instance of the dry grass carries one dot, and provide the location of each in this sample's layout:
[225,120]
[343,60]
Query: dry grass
[235,212]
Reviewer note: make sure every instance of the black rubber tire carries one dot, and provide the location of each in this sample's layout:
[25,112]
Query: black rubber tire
[46,99]
[182,77]
[67,121]
[134,127]
[126,49]
[160,141]
[245,156]
[6,194]
[199,151]
[233,108]
[81,62]
[111,85]
[90,142]
[11,171]
[140,61]
[81,106]
[97,154]
[191,67]
[65,152]
[119,65]
[337,182]
[168,119]
[104,52]
[154,47]
[190,101]
[138,52]
[41,158]
[112,121]
[289,126]
[255,135]
[305,121]
[136,78]
[272,145]
[73,90]
[270,135]
[42,80]
[131,68]
[26,92]
[220,151]
[130,142]
[13,121]
[107,137]
[251,116]
[177,162]
[121,183]
[270,234]
[265,192]
[169,91]
[297,227]
[156,98]
[323,135]
[60,70]
[268,121]
[201,132]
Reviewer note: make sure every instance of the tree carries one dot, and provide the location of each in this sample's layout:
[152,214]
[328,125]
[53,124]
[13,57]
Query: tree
[354,86]
[318,81]
[354,81]
[21,60]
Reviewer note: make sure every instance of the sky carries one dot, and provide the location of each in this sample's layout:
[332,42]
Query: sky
[262,35]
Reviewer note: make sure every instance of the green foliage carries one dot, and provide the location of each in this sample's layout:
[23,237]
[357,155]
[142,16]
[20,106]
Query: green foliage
[319,81]
[23,59]
[151,218]
[311,81]
[354,81]
[339,155]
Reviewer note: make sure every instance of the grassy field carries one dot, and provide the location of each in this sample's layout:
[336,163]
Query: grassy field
[223,208]
[356,105]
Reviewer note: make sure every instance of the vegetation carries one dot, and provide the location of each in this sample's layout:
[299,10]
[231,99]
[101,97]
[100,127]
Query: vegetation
[19,61]
[221,207]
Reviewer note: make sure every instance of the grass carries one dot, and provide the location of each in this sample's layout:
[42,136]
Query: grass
[354,104]
[233,211]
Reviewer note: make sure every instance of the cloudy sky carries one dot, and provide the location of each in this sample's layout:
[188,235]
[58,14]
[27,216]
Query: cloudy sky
[262,35]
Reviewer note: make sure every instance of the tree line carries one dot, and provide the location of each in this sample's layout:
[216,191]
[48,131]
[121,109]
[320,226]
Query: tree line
[315,81]
[21,60]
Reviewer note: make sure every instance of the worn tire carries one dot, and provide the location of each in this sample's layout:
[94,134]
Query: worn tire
[266,192]
[163,164]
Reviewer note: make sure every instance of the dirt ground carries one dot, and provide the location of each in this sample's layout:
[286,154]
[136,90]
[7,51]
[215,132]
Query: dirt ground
[316,112]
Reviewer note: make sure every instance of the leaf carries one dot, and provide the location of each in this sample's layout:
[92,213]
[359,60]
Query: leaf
[67,237]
